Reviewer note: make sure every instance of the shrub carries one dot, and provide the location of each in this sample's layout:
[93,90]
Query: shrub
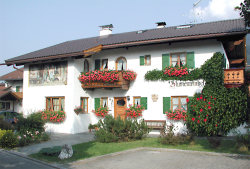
[169,137]
[54,151]
[113,130]
[32,123]
[6,125]
[243,140]
[8,140]
[217,109]
[214,141]
[2,132]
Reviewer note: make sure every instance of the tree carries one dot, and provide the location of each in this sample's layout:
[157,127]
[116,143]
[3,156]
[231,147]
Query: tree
[244,9]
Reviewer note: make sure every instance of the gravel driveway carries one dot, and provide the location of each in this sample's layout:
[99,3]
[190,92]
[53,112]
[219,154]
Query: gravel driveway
[154,158]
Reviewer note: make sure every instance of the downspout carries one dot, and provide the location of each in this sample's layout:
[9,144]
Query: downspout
[16,67]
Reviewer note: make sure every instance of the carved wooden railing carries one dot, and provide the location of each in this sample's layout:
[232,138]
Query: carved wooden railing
[121,83]
[233,77]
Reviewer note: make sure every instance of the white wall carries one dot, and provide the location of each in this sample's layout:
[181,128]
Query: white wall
[34,96]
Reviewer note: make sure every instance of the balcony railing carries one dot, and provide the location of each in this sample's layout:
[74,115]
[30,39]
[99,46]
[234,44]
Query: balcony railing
[120,83]
[233,77]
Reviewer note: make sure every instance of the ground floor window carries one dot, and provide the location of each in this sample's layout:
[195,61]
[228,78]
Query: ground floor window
[55,103]
[104,102]
[4,105]
[178,102]
[137,101]
[84,104]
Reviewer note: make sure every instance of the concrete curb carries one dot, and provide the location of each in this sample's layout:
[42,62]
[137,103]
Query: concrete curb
[79,162]
[29,158]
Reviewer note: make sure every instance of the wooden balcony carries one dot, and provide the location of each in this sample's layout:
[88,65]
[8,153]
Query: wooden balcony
[233,77]
[122,84]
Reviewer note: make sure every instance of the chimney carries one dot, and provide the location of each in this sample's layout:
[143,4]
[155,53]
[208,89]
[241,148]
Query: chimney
[106,29]
[161,24]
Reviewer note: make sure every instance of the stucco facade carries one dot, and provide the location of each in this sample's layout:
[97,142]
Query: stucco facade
[34,97]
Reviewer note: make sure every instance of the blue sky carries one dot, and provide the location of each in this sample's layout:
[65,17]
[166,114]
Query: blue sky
[27,25]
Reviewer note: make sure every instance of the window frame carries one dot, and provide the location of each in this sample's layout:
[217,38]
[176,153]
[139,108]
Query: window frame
[103,64]
[85,62]
[101,101]
[179,101]
[116,63]
[81,104]
[136,97]
[145,60]
[178,57]
[50,98]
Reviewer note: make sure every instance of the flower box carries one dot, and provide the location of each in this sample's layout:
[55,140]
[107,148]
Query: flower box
[107,79]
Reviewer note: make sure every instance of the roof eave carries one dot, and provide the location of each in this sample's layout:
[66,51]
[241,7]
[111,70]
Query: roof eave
[118,45]
[174,39]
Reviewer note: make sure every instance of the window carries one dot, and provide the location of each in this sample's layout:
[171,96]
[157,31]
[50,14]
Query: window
[178,102]
[104,102]
[178,59]
[121,63]
[55,103]
[4,105]
[101,64]
[105,64]
[145,60]
[137,101]
[19,89]
[86,66]
[97,64]
[84,104]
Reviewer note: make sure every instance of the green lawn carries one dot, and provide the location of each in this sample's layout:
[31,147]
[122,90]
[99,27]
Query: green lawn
[92,149]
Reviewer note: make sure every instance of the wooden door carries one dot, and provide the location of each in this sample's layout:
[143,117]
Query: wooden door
[120,105]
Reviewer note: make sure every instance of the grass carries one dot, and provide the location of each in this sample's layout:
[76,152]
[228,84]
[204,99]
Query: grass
[92,149]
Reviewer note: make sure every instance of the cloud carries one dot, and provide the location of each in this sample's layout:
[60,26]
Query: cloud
[216,10]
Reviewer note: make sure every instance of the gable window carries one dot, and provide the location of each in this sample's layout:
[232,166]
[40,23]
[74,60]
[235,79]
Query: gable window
[104,102]
[55,103]
[178,102]
[121,63]
[86,66]
[137,101]
[145,60]
[105,64]
[84,104]
[18,89]
[179,59]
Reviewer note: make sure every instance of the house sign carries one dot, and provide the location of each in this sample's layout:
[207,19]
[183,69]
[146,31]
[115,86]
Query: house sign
[176,83]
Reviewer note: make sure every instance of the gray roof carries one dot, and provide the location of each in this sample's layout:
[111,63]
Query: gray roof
[210,28]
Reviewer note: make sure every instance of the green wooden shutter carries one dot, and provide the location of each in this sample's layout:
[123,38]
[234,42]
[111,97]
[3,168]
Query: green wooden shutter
[165,61]
[142,60]
[144,102]
[166,104]
[17,88]
[190,60]
[97,64]
[97,103]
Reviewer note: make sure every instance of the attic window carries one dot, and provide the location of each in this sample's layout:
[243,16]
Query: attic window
[141,31]
[184,26]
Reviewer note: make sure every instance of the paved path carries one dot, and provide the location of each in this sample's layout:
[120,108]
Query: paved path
[57,139]
[10,160]
[152,158]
